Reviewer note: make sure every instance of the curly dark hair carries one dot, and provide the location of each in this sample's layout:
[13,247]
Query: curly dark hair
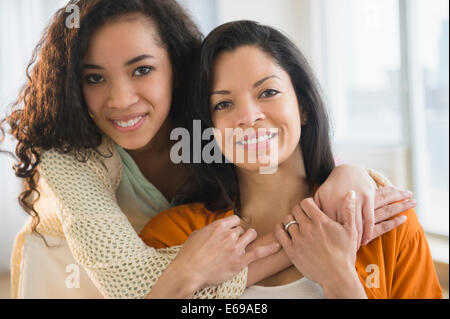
[217,184]
[51,113]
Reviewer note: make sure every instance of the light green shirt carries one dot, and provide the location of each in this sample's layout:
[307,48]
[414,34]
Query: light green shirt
[139,199]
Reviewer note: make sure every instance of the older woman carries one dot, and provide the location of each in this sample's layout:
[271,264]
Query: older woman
[257,91]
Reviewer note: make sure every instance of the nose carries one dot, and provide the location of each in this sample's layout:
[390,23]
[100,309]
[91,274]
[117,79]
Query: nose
[248,114]
[122,94]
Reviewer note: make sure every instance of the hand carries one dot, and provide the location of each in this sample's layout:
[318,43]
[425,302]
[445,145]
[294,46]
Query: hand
[321,249]
[389,202]
[371,203]
[343,179]
[218,252]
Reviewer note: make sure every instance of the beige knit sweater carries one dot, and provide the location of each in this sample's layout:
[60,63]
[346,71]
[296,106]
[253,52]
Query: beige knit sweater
[78,205]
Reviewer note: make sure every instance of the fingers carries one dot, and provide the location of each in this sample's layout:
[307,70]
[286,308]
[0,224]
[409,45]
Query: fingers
[387,226]
[349,209]
[387,195]
[317,200]
[248,236]
[369,220]
[260,252]
[229,222]
[293,229]
[282,236]
[391,210]
[310,210]
[359,221]
[237,232]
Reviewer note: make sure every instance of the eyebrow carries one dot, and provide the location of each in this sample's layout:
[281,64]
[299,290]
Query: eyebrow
[130,62]
[260,82]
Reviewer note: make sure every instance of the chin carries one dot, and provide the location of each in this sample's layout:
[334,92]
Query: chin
[132,144]
[254,167]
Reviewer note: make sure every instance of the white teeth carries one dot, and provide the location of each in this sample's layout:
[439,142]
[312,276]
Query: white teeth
[130,123]
[258,140]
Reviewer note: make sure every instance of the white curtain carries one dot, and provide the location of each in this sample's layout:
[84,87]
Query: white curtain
[21,26]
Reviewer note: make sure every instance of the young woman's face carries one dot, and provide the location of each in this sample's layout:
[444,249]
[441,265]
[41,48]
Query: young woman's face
[250,91]
[127,81]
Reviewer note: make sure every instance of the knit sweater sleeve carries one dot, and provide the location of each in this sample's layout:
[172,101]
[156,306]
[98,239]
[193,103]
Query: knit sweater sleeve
[100,236]
[378,178]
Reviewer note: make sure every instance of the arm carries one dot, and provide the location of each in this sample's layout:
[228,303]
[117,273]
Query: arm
[100,236]
[210,256]
[389,202]
[268,266]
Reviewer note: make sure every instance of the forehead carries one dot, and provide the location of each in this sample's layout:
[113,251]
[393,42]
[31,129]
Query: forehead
[245,64]
[124,36]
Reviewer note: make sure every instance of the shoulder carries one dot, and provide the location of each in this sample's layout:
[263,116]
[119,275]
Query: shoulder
[394,241]
[104,161]
[380,260]
[189,217]
[406,232]
[173,226]
[386,248]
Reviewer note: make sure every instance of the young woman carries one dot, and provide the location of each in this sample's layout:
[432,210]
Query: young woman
[251,77]
[93,125]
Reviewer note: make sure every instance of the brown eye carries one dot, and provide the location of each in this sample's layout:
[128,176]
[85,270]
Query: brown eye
[269,93]
[143,70]
[221,106]
[94,79]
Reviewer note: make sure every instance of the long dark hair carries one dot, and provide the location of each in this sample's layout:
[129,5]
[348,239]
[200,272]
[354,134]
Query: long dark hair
[50,112]
[217,184]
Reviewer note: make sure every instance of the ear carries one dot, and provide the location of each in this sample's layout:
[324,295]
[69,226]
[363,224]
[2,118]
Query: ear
[303,117]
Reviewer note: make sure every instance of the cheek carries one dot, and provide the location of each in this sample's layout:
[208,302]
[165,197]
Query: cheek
[93,97]
[290,115]
[220,137]
[157,93]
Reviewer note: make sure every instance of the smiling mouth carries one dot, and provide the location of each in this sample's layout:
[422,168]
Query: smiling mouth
[258,140]
[130,124]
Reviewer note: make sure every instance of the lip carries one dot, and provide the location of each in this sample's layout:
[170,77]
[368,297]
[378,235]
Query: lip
[259,145]
[127,118]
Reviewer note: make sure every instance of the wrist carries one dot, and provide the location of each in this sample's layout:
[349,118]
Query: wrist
[176,282]
[345,286]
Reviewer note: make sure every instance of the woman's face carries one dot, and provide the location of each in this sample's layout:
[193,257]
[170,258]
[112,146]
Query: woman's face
[251,92]
[127,81]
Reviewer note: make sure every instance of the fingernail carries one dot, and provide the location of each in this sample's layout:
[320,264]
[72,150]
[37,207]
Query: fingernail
[352,195]
[402,218]
[409,193]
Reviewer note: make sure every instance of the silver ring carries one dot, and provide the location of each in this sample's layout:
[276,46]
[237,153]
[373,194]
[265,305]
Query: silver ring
[286,227]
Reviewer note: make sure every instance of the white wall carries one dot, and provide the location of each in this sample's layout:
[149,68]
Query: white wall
[293,17]
[21,25]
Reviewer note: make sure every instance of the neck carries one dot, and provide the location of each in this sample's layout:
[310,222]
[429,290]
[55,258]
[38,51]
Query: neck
[159,146]
[155,163]
[266,199]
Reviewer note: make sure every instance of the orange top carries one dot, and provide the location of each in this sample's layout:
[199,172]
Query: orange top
[395,265]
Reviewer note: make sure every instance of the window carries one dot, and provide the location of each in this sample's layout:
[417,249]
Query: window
[386,80]
[362,81]
[431,40]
